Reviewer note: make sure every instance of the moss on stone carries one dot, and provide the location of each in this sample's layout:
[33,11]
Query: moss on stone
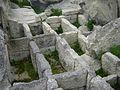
[53,60]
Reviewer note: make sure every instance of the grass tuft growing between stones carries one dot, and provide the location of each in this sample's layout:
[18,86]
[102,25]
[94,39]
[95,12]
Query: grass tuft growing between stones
[101,73]
[77,48]
[115,50]
[90,24]
[59,30]
[56,12]
[53,60]
[76,23]
[22,66]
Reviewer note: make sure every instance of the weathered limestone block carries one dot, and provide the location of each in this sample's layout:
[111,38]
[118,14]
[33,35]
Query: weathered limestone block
[65,54]
[53,19]
[34,85]
[33,51]
[71,11]
[52,84]
[111,79]
[111,63]
[55,26]
[27,31]
[46,28]
[70,37]
[82,41]
[106,37]
[97,83]
[93,63]
[42,64]
[43,16]
[82,19]
[102,11]
[45,41]
[67,26]
[72,80]
[58,89]
[84,30]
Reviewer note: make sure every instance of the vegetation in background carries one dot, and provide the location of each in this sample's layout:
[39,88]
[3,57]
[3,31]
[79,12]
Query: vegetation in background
[38,10]
[21,3]
[90,24]
[115,50]
[56,12]
[76,23]
[59,30]
[25,65]
[101,73]
[117,86]
[77,48]
[53,60]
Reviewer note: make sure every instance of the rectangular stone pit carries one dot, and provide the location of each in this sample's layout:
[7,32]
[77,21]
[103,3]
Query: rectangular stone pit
[23,70]
[53,58]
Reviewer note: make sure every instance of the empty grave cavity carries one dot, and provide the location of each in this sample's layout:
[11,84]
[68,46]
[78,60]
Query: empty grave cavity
[23,70]
[76,47]
[53,58]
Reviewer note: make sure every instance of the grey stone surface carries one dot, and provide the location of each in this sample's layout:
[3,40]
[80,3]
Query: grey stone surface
[111,79]
[97,83]
[102,11]
[111,63]
[67,26]
[34,85]
[70,80]
[106,37]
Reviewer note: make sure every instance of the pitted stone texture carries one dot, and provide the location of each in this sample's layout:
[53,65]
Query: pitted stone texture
[34,85]
[84,30]
[70,80]
[82,19]
[106,37]
[111,79]
[70,37]
[111,63]
[52,84]
[102,11]
[97,83]
[2,56]
[67,26]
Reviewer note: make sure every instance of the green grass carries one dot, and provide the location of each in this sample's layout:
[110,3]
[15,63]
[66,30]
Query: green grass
[53,60]
[25,65]
[21,3]
[90,24]
[115,50]
[77,48]
[101,73]
[76,23]
[56,12]
[59,30]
